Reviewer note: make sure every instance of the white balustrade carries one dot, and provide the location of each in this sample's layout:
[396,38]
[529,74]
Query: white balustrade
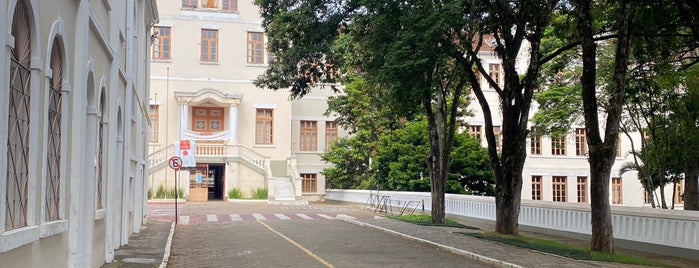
[676,228]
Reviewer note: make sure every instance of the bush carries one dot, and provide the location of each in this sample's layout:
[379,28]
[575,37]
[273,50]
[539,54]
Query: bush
[150,193]
[235,193]
[259,193]
[160,193]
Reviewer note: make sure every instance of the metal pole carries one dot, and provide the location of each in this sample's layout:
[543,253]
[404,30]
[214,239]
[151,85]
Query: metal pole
[177,172]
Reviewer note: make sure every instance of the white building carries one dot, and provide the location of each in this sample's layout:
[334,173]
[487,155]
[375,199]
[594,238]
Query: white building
[205,56]
[73,126]
[557,169]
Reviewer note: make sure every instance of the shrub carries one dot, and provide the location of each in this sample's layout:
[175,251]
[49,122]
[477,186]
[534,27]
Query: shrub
[235,193]
[260,193]
[160,193]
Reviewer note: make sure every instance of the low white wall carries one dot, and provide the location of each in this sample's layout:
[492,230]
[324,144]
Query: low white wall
[675,228]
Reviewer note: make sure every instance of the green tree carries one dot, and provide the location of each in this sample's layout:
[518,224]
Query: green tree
[412,68]
[350,159]
[400,164]
[420,52]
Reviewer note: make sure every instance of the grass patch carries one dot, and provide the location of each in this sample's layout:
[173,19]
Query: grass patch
[426,220]
[259,193]
[235,193]
[573,252]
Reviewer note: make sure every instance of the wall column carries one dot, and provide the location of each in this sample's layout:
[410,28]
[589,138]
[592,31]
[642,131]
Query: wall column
[233,123]
[184,118]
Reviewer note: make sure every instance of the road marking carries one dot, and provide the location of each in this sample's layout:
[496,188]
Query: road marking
[259,217]
[310,253]
[326,216]
[184,219]
[282,217]
[211,218]
[236,217]
[346,216]
[304,216]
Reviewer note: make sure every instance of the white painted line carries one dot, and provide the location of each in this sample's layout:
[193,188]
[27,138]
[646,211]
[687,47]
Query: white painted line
[211,218]
[467,254]
[184,219]
[236,217]
[326,216]
[346,216]
[282,217]
[259,217]
[304,216]
[168,246]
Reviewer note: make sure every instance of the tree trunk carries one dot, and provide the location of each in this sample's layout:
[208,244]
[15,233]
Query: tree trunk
[691,184]
[663,202]
[602,152]
[602,230]
[441,128]
[509,181]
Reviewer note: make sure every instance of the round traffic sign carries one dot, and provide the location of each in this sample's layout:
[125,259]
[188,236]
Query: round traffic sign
[175,162]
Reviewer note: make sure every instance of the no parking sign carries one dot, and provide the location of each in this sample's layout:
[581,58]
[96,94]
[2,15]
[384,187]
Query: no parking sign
[175,162]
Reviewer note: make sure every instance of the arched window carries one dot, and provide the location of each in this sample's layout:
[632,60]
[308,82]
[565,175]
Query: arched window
[53,155]
[100,150]
[17,189]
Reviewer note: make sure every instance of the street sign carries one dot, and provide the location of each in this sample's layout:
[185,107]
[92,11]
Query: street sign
[175,162]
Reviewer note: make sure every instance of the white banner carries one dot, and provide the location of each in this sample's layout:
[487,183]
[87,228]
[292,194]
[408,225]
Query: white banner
[185,149]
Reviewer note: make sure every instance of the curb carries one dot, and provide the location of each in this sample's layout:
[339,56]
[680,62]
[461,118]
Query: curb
[457,251]
[168,245]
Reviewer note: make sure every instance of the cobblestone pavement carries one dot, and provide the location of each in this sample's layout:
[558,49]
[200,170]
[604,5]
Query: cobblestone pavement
[288,239]
[224,234]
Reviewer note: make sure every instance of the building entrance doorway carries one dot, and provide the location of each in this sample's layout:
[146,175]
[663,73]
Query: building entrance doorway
[206,182]
[216,171]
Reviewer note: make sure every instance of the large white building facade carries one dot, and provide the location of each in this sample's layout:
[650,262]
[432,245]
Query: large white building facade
[205,55]
[204,58]
[73,129]
[557,169]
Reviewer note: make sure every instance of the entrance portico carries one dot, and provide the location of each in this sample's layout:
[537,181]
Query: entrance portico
[202,119]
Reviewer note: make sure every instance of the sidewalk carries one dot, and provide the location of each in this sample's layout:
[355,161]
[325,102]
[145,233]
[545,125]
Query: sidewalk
[146,248]
[495,254]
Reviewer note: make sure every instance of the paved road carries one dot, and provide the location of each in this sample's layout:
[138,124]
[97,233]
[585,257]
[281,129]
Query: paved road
[260,235]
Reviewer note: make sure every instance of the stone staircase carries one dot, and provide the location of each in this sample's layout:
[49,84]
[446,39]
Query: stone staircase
[284,192]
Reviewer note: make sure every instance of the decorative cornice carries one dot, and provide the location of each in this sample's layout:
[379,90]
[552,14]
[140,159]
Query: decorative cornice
[208,93]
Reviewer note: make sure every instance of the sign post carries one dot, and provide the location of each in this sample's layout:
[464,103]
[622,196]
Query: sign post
[175,163]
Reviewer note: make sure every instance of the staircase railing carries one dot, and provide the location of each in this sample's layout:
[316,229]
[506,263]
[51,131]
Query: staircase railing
[158,159]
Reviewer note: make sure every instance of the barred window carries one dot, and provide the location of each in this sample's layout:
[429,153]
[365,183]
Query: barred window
[53,163]
[18,132]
